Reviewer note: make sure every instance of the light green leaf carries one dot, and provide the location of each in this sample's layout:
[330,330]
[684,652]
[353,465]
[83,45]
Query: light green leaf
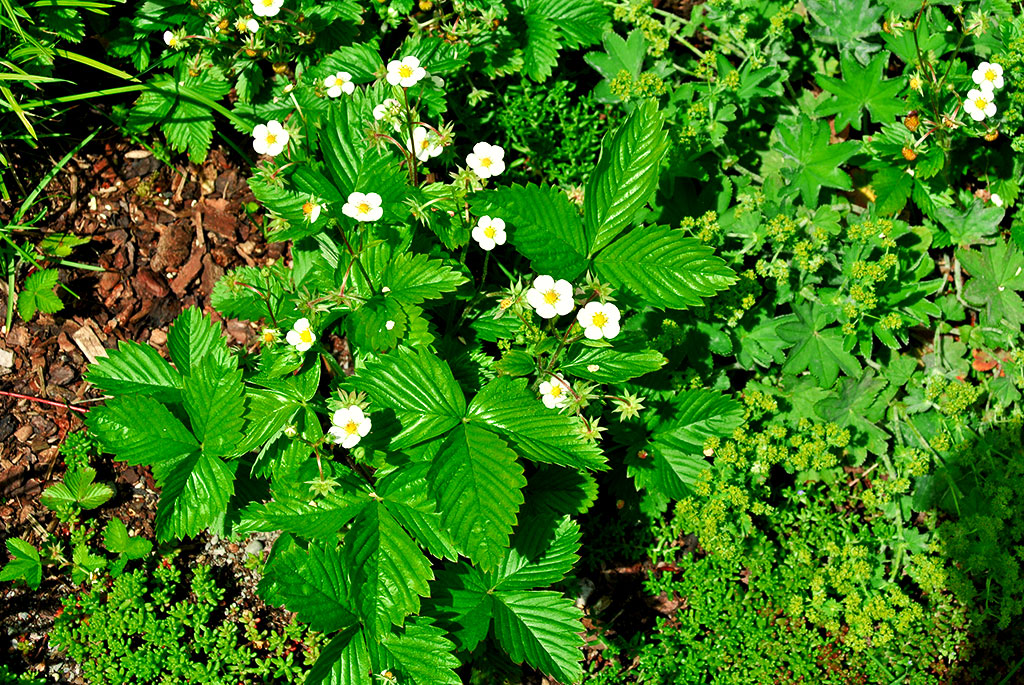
[477,482]
[390,572]
[195,491]
[996,273]
[626,175]
[135,368]
[38,294]
[79,490]
[543,224]
[344,661]
[140,430]
[414,278]
[506,407]
[406,494]
[663,267]
[321,518]
[616,364]
[420,387]
[977,224]
[24,565]
[419,654]
[314,583]
[215,404]
[541,628]
[192,337]
[117,540]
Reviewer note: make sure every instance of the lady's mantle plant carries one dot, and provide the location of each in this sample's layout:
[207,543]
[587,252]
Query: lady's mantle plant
[426,501]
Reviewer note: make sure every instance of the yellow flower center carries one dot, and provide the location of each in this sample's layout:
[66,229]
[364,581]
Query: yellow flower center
[269,336]
[405,71]
[351,428]
[990,75]
[486,162]
[981,103]
[556,391]
[307,208]
[551,297]
[915,83]
[424,144]
[490,231]
[306,336]
[599,320]
[240,25]
[268,3]
[363,208]
[271,139]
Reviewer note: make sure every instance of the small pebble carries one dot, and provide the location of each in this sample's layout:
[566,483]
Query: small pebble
[254,547]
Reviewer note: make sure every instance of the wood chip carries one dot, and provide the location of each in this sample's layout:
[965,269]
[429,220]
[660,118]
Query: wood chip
[6,360]
[90,345]
[138,154]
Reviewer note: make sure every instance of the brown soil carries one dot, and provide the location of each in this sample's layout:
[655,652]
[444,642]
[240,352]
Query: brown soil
[162,236]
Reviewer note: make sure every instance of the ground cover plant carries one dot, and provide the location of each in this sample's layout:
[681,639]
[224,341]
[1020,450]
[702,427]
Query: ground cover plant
[726,289]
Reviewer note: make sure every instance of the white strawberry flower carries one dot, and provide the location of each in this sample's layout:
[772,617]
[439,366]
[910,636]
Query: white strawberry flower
[550,298]
[486,160]
[554,393]
[405,72]
[996,200]
[425,144]
[243,25]
[266,8]
[171,40]
[389,324]
[363,207]
[489,232]
[270,138]
[387,109]
[339,83]
[988,75]
[301,336]
[599,320]
[979,103]
[348,426]
[311,211]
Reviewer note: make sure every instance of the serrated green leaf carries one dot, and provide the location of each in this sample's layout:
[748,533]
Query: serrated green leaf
[846,23]
[315,584]
[195,490]
[893,187]
[626,175]
[24,564]
[675,454]
[544,226]
[506,407]
[390,572]
[414,278]
[419,654]
[78,489]
[862,89]
[214,400]
[320,518]
[140,430]
[192,337]
[543,551]
[420,387]
[664,267]
[135,368]
[541,628]
[38,294]
[616,364]
[117,540]
[344,661]
[244,293]
[406,494]
[477,482]
[540,54]
[809,161]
